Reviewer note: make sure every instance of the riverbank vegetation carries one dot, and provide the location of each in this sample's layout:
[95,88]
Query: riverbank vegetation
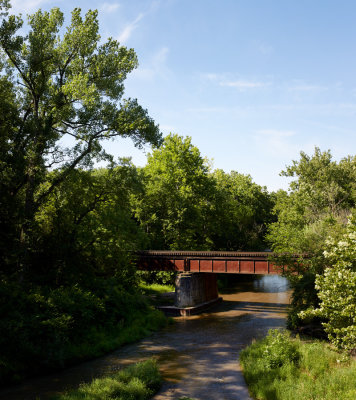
[316,221]
[69,231]
[69,289]
[279,367]
[136,382]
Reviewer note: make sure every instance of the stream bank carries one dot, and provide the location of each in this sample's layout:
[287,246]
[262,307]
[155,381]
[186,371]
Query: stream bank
[198,355]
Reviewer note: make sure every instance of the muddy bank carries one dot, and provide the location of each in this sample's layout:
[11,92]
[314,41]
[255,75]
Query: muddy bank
[198,355]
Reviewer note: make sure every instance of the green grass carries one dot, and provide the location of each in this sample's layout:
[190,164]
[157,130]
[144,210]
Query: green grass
[155,288]
[137,382]
[280,368]
[156,293]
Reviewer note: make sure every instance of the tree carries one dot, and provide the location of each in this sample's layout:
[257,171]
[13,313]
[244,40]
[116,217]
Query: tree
[336,289]
[316,208]
[67,288]
[173,209]
[241,211]
[185,206]
[90,217]
[58,89]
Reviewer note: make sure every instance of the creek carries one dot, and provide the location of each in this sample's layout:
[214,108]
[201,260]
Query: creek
[197,355]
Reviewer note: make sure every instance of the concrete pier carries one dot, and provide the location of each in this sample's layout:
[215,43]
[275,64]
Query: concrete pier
[194,293]
[193,289]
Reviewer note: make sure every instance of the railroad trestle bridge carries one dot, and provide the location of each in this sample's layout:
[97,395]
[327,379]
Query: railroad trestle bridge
[196,283]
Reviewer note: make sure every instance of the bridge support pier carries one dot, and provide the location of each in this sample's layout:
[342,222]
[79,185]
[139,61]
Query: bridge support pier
[195,292]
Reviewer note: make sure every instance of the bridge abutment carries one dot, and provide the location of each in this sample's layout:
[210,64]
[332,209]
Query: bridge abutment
[192,289]
[194,293]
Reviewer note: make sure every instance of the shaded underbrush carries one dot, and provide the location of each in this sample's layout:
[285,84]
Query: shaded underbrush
[46,329]
[158,294]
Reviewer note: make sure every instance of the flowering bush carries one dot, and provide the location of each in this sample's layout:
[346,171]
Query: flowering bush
[337,290]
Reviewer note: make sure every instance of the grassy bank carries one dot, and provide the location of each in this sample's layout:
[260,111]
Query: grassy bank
[279,368]
[155,288]
[137,382]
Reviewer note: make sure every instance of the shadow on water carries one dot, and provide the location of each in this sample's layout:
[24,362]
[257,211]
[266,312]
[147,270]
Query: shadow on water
[198,355]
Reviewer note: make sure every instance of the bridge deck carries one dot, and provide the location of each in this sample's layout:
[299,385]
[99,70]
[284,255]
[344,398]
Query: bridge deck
[230,262]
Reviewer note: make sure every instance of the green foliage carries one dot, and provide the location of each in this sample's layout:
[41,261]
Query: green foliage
[50,328]
[155,288]
[173,208]
[317,373]
[55,85]
[136,382]
[318,202]
[316,208]
[184,206]
[336,289]
[158,277]
[90,216]
[241,209]
[279,350]
[67,280]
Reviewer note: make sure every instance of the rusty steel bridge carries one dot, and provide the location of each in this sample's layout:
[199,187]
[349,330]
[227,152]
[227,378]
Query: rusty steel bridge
[229,262]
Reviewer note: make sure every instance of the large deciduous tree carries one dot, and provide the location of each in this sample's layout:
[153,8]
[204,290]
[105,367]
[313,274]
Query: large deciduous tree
[320,199]
[67,288]
[61,96]
[173,209]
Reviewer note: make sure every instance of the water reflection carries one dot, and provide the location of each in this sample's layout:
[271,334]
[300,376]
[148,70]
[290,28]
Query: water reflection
[270,284]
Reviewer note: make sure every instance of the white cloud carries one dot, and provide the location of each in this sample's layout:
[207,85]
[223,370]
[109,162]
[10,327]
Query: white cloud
[210,77]
[303,111]
[262,47]
[229,81]
[307,88]
[265,49]
[109,7]
[243,84]
[127,32]
[28,6]
[275,133]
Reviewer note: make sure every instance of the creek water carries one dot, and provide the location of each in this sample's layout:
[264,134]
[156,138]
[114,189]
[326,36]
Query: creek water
[197,355]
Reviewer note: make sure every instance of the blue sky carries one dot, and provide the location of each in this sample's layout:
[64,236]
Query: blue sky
[253,82]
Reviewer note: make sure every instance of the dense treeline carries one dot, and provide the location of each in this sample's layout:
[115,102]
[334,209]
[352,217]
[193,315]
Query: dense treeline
[68,285]
[184,205]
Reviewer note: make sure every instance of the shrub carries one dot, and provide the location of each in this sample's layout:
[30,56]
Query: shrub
[336,289]
[279,350]
[136,382]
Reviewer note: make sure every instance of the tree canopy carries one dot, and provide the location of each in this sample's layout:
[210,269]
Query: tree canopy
[62,96]
[65,228]
[313,212]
